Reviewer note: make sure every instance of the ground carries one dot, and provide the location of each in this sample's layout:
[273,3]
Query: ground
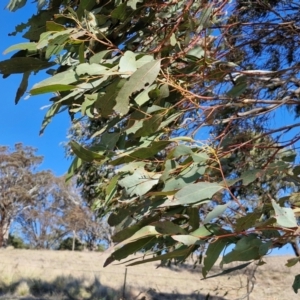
[49,275]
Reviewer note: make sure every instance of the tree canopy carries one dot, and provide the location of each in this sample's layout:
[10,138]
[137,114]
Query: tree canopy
[144,82]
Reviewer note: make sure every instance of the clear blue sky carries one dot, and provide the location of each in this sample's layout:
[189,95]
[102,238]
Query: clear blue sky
[21,123]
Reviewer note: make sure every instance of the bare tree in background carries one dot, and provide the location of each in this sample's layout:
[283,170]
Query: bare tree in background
[18,184]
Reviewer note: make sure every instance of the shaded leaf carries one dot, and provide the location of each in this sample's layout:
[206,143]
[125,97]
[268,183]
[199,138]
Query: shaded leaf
[74,167]
[296,284]
[127,250]
[212,254]
[250,176]
[239,87]
[194,219]
[141,153]
[85,154]
[292,261]
[247,221]
[168,227]
[176,253]
[22,87]
[247,248]
[52,111]
[18,65]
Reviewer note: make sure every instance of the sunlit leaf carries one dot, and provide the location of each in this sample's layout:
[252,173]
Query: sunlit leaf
[140,182]
[139,80]
[21,46]
[216,212]
[284,215]
[185,239]
[194,193]
[51,88]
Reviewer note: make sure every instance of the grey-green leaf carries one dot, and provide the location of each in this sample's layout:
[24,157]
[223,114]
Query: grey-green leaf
[139,80]
[194,193]
[284,215]
[217,211]
[212,254]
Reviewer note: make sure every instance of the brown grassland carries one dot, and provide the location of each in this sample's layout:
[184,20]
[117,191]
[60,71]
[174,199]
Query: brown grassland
[29,274]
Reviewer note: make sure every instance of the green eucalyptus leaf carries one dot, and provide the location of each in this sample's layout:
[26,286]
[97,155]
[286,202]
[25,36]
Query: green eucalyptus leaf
[193,193]
[247,248]
[216,212]
[85,154]
[22,87]
[52,111]
[174,254]
[285,216]
[239,88]
[14,5]
[22,46]
[296,283]
[139,80]
[128,63]
[186,239]
[133,3]
[51,89]
[213,252]
[140,182]
[17,65]
[127,250]
[66,77]
[292,261]
[74,167]
[248,221]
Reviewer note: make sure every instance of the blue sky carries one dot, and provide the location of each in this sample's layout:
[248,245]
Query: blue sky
[21,123]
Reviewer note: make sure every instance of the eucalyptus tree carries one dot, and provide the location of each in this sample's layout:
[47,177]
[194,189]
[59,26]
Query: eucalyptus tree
[146,78]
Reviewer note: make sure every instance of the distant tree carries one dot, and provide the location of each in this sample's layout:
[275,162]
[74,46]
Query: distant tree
[19,184]
[17,242]
[60,211]
[69,244]
[85,226]
[43,224]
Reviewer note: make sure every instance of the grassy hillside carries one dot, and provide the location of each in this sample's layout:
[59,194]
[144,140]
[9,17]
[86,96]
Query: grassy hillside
[28,274]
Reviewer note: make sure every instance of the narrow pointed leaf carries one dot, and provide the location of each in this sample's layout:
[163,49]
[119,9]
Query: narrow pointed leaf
[85,154]
[212,254]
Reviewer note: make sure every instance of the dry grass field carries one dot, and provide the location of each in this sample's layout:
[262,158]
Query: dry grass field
[54,275]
